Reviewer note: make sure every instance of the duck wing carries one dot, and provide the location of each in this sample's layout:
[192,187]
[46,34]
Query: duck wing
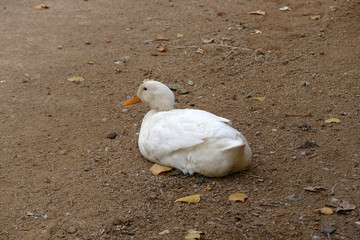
[169,131]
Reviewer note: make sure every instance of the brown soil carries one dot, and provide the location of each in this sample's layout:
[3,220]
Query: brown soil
[62,177]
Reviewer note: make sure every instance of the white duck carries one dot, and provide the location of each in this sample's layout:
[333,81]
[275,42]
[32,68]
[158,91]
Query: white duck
[188,139]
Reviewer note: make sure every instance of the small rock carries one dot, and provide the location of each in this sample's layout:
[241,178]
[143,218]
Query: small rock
[302,153]
[191,83]
[308,144]
[25,80]
[111,135]
[125,110]
[59,47]
[71,230]
[164,232]
[304,83]
[87,42]
[304,126]
[87,168]
[276,114]
[130,233]
[293,197]
[357,223]
[316,237]
[259,224]
[62,152]
[328,229]
[29,214]
[326,169]
[257,133]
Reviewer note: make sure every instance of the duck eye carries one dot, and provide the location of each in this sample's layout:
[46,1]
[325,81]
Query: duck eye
[145,88]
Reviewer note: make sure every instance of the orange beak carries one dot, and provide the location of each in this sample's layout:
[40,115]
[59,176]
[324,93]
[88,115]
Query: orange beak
[133,100]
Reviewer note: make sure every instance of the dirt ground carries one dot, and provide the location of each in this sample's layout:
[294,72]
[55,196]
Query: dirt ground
[61,175]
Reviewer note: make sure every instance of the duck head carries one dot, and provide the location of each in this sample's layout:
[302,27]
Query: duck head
[156,94]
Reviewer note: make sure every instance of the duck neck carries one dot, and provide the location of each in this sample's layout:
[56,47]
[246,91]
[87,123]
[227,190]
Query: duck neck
[163,106]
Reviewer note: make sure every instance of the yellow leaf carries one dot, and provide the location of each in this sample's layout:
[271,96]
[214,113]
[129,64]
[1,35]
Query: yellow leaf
[190,199]
[41,6]
[258,98]
[238,197]
[325,210]
[75,79]
[315,17]
[163,48]
[156,169]
[206,41]
[162,38]
[192,236]
[91,63]
[332,120]
[208,188]
[179,35]
[258,12]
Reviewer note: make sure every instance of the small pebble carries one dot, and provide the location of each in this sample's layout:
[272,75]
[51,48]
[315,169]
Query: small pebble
[71,230]
[62,152]
[191,83]
[25,80]
[87,43]
[304,83]
[87,168]
[293,197]
[164,232]
[59,47]
[328,229]
[302,153]
[111,135]
[357,223]
[125,110]
[130,233]
[326,169]
[316,237]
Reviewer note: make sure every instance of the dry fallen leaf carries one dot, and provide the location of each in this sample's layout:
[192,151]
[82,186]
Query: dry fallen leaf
[315,17]
[258,12]
[345,206]
[190,199]
[208,188]
[163,48]
[206,41]
[238,197]
[332,120]
[258,98]
[314,189]
[178,89]
[75,79]
[325,210]
[161,38]
[179,35]
[42,6]
[91,63]
[156,169]
[192,236]
[201,51]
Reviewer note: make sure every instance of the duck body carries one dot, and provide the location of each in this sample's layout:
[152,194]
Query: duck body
[192,141]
